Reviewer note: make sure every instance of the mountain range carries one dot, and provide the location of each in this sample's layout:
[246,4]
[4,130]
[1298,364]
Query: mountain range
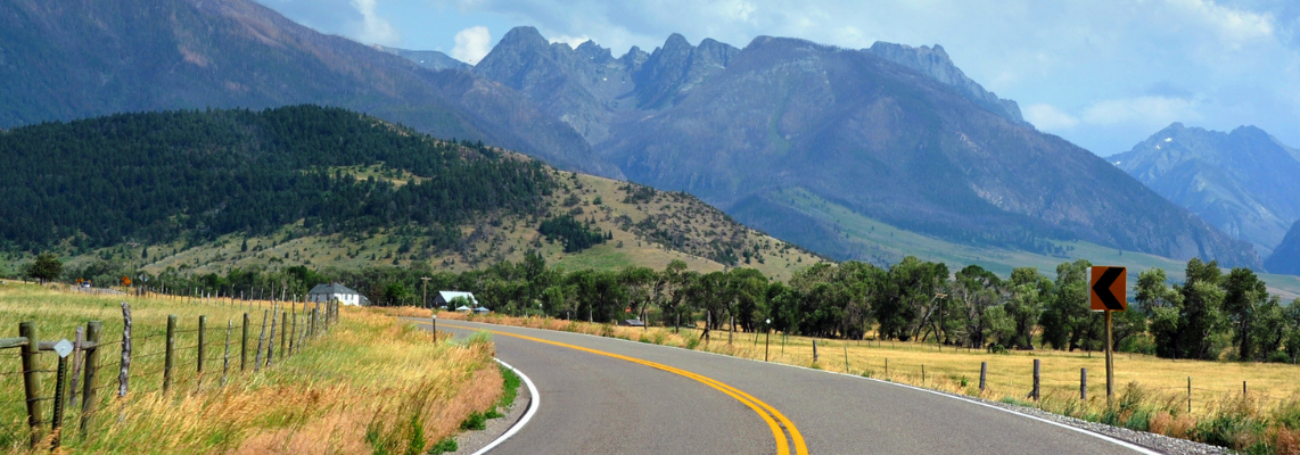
[1244,182]
[893,133]
[86,58]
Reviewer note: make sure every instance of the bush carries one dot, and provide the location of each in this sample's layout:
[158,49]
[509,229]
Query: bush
[446,445]
[475,421]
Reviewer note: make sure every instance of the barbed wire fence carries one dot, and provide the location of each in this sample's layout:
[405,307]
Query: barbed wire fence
[186,357]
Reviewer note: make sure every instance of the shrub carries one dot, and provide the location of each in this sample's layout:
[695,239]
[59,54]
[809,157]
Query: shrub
[475,421]
[446,445]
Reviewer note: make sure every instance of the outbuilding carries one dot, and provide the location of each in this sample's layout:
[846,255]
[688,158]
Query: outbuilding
[323,293]
[444,298]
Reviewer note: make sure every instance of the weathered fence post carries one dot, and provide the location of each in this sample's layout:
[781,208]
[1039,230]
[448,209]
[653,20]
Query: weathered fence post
[1083,384]
[284,326]
[88,399]
[315,319]
[922,375]
[886,367]
[293,332]
[1243,389]
[225,364]
[257,360]
[124,374]
[243,346]
[31,380]
[203,337]
[814,351]
[1036,390]
[169,360]
[76,365]
[1189,394]
[270,342]
[984,372]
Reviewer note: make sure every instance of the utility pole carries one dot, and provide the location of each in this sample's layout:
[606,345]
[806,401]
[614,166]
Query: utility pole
[425,298]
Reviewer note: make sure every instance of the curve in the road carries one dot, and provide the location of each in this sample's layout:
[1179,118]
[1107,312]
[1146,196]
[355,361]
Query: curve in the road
[765,411]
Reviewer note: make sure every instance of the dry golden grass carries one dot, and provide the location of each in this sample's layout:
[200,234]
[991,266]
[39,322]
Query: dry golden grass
[369,385]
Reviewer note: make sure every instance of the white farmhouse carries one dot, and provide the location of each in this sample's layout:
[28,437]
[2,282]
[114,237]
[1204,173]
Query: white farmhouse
[326,292]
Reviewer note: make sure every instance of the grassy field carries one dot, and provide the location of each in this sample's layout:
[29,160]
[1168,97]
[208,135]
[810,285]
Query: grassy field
[1150,393]
[367,386]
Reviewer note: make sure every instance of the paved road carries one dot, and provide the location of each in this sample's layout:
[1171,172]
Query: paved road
[592,403]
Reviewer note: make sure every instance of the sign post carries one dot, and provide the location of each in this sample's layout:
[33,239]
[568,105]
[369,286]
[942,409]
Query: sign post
[1108,290]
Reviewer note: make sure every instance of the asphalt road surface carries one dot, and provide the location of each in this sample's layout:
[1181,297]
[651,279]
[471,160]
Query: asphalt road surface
[610,396]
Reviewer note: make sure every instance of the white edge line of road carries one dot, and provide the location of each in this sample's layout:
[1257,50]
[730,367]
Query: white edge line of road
[1108,438]
[535,398]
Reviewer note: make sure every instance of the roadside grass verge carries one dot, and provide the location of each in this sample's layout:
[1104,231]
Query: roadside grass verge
[1151,394]
[368,386]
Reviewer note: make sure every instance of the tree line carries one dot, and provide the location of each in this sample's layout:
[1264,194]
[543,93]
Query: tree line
[1211,315]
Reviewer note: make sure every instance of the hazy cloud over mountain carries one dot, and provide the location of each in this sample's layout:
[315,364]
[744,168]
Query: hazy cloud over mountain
[1101,73]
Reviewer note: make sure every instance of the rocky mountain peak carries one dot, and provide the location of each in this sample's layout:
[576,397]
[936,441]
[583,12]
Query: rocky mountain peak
[935,63]
[523,37]
[1242,182]
[591,51]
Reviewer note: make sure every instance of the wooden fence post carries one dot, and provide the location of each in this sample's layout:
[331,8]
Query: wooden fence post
[243,346]
[225,364]
[1083,384]
[31,379]
[76,365]
[270,342]
[984,371]
[257,360]
[88,399]
[293,331]
[169,360]
[1189,394]
[1036,391]
[124,374]
[284,326]
[203,337]
[814,351]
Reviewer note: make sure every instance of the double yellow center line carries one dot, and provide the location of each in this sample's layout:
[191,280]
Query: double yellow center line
[774,419]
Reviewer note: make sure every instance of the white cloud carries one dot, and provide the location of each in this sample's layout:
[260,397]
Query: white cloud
[374,29]
[572,41]
[472,44]
[1048,118]
[1232,25]
[1144,110]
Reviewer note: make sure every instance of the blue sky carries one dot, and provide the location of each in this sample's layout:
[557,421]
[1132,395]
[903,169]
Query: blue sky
[1103,74]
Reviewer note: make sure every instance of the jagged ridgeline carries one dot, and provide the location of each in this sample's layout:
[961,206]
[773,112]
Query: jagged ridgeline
[154,177]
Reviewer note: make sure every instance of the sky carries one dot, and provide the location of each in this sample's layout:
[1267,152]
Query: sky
[1104,74]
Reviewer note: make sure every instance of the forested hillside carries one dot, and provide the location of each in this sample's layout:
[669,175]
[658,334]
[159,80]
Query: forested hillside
[156,177]
[211,191]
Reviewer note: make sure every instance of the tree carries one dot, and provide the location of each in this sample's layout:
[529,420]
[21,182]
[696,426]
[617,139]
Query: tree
[46,267]
[1244,294]
[1067,322]
[1202,317]
[1025,307]
[1163,306]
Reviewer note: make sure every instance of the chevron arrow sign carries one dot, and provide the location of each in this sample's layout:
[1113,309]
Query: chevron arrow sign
[1108,288]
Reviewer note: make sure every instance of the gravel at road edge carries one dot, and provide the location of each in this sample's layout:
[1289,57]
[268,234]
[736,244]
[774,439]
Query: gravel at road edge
[471,441]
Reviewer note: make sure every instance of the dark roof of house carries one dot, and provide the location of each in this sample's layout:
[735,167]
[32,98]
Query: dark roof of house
[331,288]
